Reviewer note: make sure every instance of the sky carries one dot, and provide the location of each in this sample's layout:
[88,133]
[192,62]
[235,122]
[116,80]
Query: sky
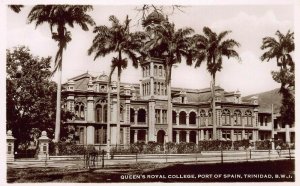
[248,23]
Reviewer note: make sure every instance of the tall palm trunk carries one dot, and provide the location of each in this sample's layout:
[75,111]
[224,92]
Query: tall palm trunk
[108,110]
[169,111]
[118,107]
[214,114]
[58,99]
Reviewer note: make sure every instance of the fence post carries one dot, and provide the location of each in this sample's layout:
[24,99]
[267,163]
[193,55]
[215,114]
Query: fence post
[166,156]
[136,156]
[102,158]
[250,153]
[221,155]
[10,156]
[290,153]
[43,146]
[46,160]
[269,154]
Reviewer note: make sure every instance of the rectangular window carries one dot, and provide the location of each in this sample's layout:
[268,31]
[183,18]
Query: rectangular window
[248,135]
[237,135]
[81,135]
[100,135]
[157,116]
[261,120]
[226,134]
[164,115]
[266,120]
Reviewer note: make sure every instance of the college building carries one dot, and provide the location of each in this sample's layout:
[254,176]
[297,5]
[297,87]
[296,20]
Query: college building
[143,110]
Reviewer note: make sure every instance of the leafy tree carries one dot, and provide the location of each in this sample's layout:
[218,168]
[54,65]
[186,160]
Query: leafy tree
[171,45]
[60,16]
[30,93]
[212,47]
[281,49]
[119,40]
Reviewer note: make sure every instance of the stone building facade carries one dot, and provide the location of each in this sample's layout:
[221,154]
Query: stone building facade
[143,111]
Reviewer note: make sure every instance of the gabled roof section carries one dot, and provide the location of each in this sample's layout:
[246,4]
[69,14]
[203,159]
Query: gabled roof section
[81,81]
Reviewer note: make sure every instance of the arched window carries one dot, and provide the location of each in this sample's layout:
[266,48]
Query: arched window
[158,88]
[161,136]
[98,113]
[141,116]
[155,70]
[174,115]
[202,117]
[79,111]
[105,113]
[132,112]
[155,88]
[182,117]
[225,117]
[248,115]
[192,118]
[237,117]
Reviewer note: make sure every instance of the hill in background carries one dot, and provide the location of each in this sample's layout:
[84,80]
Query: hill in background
[266,99]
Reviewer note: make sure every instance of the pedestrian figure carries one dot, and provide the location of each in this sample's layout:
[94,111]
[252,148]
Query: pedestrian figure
[278,149]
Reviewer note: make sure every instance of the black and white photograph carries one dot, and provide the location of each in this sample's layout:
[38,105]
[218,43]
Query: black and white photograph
[149,92]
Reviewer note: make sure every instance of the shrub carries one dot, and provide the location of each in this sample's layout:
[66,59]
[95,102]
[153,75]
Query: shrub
[242,144]
[263,145]
[67,148]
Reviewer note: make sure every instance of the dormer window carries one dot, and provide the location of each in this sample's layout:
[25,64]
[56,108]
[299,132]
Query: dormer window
[102,87]
[97,88]
[160,70]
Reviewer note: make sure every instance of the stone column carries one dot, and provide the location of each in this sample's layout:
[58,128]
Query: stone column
[151,121]
[90,109]
[206,135]
[287,133]
[177,136]
[114,111]
[90,139]
[161,116]
[10,156]
[135,117]
[202,135]
[135,136]
[146,136]
[187,136]
[197,136]
[187,120]
[177,118]
[232,134]
[43,146]
[243,134]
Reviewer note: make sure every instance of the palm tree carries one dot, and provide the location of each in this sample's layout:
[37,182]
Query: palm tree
[281,50]
[172,45]
[211,47]
[16,8]
[119,40]
[60,16]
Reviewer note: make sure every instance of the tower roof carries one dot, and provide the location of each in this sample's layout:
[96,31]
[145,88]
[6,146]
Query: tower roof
[154,17]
